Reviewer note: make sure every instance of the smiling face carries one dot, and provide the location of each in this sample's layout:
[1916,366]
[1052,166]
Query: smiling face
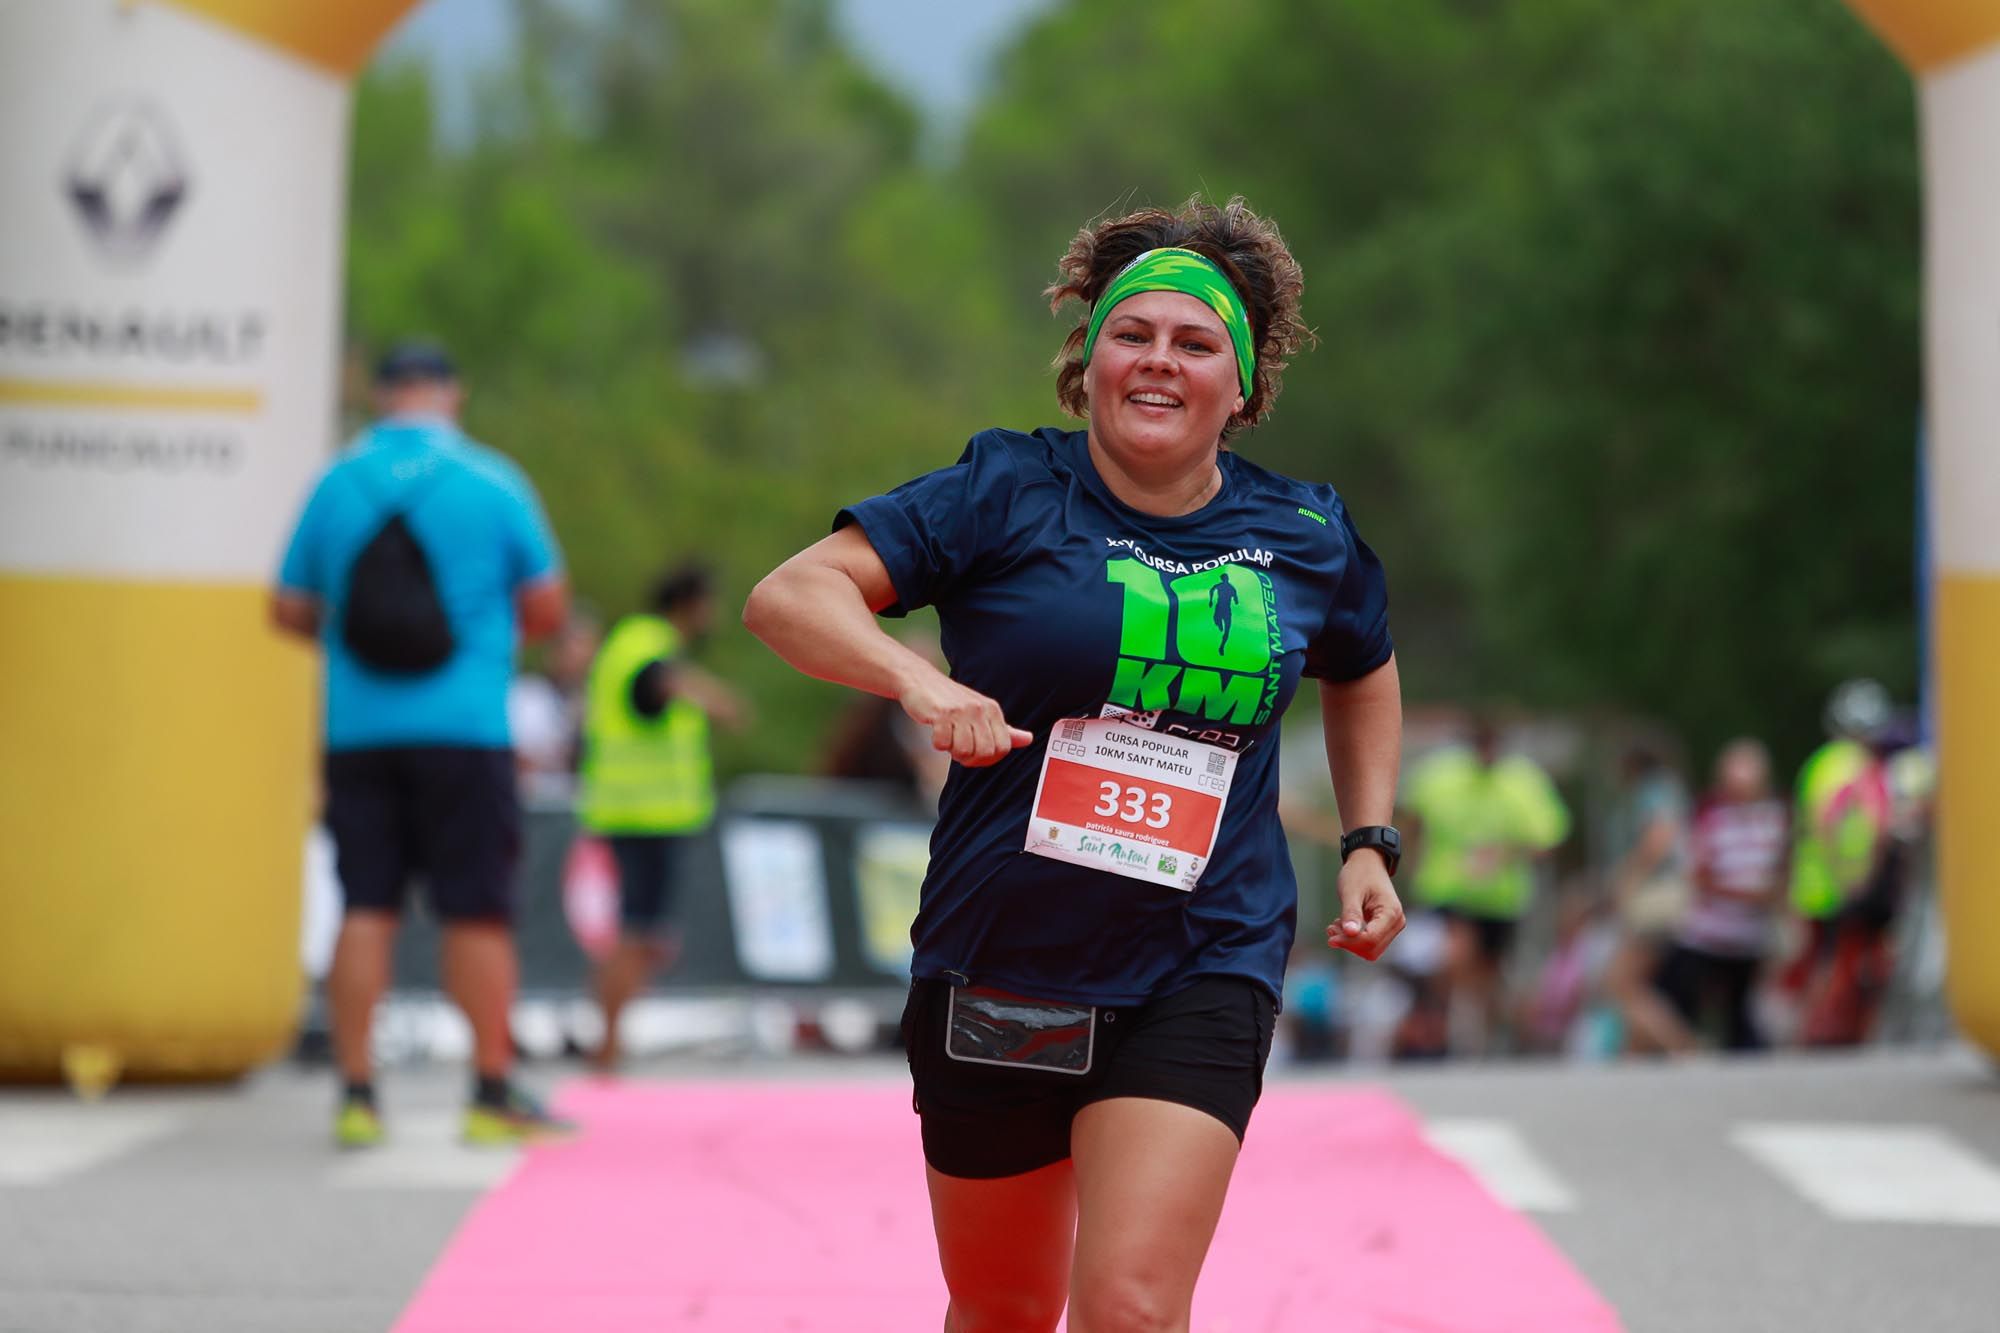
[1162,382]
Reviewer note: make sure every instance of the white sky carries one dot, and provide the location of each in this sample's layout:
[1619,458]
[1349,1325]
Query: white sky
[935,50]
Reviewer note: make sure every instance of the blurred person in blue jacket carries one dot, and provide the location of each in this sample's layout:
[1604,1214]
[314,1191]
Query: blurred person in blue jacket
[419,563]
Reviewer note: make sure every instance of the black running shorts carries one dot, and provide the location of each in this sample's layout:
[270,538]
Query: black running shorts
[1202,1047]
[1494,935]
[647,864]
[446,814]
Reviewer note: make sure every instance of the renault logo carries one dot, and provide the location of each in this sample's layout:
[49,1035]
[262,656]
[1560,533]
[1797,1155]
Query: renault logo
[126,179]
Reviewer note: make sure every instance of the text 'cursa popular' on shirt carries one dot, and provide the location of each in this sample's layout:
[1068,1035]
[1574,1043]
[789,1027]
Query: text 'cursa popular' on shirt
[1056,599]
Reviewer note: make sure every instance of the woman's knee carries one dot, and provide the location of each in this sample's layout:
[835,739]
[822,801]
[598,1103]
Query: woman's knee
[1005,1312]
[1004,1246]
[1126,1303]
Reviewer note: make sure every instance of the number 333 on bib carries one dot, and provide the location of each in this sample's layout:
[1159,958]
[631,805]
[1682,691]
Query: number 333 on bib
[1131,802]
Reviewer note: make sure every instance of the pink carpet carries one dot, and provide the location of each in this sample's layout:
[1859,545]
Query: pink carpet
[764,1208]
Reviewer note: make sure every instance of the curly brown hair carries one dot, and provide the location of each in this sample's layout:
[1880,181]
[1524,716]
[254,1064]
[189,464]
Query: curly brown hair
[1246,247]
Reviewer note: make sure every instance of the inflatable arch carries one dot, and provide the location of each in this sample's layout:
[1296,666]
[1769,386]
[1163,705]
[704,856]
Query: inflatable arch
[1953,48]
[169,280]
[169,304]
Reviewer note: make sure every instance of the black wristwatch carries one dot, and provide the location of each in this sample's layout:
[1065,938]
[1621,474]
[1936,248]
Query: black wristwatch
[1381,837]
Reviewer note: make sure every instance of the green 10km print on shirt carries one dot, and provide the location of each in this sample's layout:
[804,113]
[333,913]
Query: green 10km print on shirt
[1206,643]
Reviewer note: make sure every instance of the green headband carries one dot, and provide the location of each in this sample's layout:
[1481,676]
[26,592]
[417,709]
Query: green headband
[1177,270]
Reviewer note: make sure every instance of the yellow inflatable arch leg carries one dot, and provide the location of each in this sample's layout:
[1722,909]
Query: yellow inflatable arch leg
[1953,48]
[169,303]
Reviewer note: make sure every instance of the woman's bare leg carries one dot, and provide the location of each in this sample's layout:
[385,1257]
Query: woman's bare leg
[1150,1180]
[1004,1246]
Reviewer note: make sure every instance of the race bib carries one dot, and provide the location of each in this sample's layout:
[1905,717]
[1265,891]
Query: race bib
[1138,803]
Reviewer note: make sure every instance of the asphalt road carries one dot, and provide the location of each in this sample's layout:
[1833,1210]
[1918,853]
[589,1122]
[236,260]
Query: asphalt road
[1681,1227]
[1839,1195]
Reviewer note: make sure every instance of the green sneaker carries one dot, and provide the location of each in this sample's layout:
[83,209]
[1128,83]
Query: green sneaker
[521,1120]
[357,1126]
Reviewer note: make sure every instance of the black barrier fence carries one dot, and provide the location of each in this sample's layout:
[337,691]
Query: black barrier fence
[798,884]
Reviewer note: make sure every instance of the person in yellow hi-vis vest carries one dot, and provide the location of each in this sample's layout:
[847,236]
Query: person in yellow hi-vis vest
[1837,837]
[1478,820]
[647,782]
[1840,841]
[1836,840]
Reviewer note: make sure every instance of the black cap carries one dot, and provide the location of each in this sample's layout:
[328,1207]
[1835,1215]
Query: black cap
[678,586]
[414,363]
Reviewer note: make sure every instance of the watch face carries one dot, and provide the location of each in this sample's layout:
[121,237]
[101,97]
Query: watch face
[1380,836]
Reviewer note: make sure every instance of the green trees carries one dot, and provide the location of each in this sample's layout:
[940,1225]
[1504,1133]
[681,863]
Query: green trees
[1617,316]
[651,265]
[1617,308]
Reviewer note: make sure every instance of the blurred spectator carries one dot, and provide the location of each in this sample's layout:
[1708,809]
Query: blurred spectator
[1649,890]
[874,740]
[1738,859]
[1315,1021]
[545,710]
[420,560]
[1911,773]
[1309,1029]
[1885,806]
[1840,852]
[648,781]
[1554,1008]
[1478,822]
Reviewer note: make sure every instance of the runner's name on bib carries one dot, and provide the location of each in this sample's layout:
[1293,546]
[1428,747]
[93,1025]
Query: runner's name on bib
[1138,803]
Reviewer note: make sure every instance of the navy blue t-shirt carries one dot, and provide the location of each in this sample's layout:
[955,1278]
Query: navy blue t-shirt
[1055,598]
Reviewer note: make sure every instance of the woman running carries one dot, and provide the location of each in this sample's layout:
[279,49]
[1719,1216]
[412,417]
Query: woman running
[1126,611]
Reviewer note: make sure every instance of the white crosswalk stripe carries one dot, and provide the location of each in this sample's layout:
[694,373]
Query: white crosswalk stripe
[1498,1155]
[1878,1173]
[423,1152]
[45,1144]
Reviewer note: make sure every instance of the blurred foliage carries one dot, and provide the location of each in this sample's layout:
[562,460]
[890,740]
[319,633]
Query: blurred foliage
[1617,307]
